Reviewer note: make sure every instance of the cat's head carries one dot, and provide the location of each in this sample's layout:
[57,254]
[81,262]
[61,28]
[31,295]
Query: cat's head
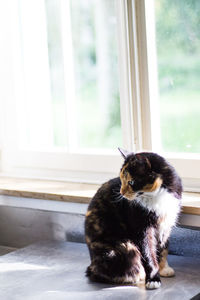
[137,175]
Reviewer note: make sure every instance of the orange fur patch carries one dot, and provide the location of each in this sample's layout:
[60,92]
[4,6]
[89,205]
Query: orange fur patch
[152,187]
[124,167]
[88,213]
[125,188]
[163,262]
[87,239]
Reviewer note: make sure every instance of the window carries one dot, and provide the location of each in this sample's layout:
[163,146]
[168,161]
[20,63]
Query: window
[85,77]
[66,93]
[176,50]
[68,64]
[178,47]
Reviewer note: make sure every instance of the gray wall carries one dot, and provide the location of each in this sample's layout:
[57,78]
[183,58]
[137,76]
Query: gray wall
[20,227]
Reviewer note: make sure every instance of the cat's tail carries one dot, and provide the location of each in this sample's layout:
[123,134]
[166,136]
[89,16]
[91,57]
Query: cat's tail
[96,277]
[88,271]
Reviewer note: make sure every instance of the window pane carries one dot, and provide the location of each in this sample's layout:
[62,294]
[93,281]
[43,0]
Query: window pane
[178,48]
[96,72]
[69,71]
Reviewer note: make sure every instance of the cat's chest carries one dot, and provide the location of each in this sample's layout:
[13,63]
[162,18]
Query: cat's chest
[161,202]
[165,206]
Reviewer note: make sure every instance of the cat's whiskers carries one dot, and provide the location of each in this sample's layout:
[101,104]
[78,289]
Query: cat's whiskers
[118,197]
[116,192]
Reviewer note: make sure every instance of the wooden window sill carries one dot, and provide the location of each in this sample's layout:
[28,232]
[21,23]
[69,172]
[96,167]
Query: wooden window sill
[72,192]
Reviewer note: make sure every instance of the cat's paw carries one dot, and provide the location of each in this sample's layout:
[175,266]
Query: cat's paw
[151,285]
[167,272]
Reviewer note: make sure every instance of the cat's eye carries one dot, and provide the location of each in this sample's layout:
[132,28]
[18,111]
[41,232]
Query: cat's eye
[131,182]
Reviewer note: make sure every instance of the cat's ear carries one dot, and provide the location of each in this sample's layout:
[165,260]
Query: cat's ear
[124,153]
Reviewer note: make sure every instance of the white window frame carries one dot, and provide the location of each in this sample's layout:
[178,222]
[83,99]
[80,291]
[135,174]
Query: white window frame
[139,118]
[187,165]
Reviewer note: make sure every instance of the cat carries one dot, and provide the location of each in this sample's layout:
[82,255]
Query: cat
[129,220]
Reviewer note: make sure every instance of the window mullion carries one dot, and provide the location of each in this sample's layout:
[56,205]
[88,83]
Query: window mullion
[134,75]
[143,73]
[124,77]
[144,14]
[135,104]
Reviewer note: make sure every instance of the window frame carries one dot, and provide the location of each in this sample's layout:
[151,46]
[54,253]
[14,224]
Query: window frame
[138,103]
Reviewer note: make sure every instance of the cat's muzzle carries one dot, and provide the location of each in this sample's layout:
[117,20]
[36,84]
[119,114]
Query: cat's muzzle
[127,195]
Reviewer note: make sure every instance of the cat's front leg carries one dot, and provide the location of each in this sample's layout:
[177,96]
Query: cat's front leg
[153,283]
[150,260]
[152,274]
[164,269]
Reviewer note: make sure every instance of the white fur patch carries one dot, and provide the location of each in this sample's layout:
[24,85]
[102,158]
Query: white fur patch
[161,202]
[153,285]
[165,205]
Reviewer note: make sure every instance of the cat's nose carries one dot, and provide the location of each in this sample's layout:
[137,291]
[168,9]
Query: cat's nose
[122,191]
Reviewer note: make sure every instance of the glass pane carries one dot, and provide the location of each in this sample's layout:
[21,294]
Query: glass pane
[96,73]
[69,70]
[178,48]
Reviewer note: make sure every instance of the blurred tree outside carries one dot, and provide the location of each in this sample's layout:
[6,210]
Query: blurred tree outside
[178,50]
[96,70]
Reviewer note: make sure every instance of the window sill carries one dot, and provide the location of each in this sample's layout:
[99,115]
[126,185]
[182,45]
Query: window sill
[191,203]
[72,192]
[47,189]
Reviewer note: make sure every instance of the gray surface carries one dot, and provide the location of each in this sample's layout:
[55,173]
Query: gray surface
[55,270]
[20,227]
[185,242]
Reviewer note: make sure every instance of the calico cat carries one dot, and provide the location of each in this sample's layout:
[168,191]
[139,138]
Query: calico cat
[129,221]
